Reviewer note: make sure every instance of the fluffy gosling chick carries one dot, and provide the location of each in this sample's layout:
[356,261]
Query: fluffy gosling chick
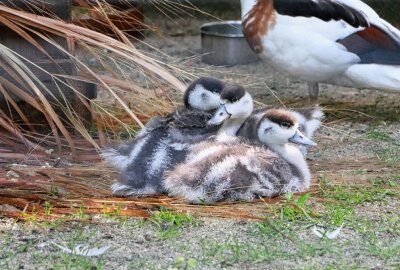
[201,98]
[235,170]
[143,175]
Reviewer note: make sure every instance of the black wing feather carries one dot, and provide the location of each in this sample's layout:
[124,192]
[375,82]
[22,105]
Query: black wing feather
[325,10]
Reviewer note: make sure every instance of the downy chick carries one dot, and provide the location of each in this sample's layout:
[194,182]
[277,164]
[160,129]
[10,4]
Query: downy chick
[308,118]
[143,176]
[236,170]
[201,98]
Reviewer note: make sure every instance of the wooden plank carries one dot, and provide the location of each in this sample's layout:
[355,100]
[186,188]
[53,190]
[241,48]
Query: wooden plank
[23,47]
[59,89]
[49,8]
[44,68]
[60,66]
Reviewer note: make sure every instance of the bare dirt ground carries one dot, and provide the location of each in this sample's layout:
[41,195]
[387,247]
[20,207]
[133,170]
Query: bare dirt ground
[356,176]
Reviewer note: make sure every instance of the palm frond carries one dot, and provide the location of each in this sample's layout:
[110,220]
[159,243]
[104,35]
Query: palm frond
[121,55]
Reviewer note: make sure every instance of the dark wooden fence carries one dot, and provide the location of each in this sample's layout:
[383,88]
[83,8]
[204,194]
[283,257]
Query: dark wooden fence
[59,63]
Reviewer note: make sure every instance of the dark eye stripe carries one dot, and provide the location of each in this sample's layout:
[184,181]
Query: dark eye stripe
[285,124]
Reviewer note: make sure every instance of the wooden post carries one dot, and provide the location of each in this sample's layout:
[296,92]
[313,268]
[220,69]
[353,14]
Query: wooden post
[60,63]
[49,8]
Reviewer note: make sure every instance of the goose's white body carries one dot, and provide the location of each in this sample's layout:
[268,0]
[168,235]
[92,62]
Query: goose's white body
[286,49]
[308,48]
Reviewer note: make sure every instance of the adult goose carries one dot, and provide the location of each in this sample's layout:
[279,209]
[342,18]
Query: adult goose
[340,42]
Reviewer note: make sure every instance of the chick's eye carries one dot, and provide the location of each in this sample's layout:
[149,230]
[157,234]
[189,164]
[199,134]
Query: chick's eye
[204,95]
[286,125]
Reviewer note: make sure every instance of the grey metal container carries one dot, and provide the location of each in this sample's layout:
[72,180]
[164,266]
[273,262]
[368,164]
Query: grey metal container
[223,43]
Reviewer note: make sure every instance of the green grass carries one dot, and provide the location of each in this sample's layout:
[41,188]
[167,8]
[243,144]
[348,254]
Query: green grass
[284,237]
[360,172]
[336,215]
[181,262]
[6,254]
[51,257]
[379,114]
[53,191]
[80,213]
[381,136]
[390,181]
[279,237]
[142,263]
[50,225]
[269,247]
[232,251]
[336,266]
[370,114]
[60,260]
[47,208]
[383,249]
[170,223]
[357,194]
[390,155]
[389,151]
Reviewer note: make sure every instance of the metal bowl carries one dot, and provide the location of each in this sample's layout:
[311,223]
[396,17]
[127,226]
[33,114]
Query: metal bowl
[223,43]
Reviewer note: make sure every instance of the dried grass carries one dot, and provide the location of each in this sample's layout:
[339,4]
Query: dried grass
[27,192]
[122,58]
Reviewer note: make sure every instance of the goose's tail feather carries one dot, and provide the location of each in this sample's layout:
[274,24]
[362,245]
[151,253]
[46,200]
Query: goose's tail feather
[373,76]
